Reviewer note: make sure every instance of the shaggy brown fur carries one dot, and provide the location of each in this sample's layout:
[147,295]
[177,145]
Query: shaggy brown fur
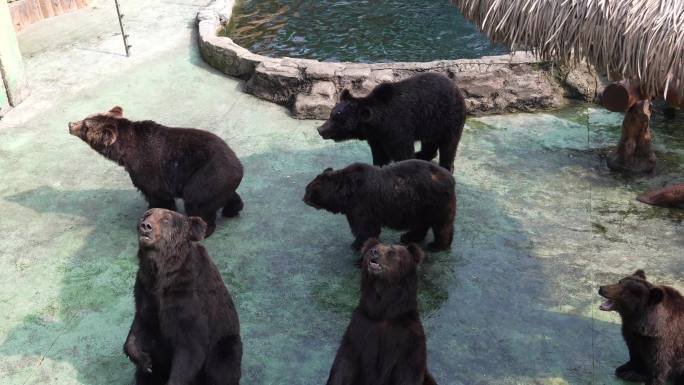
[652,326]
[413,195]
[186,329]
[384,343]
[166,163]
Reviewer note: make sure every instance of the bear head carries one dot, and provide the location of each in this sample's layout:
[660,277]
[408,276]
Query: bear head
[168,231]
[334,190]
[100,131]
[350,114]
[389,263]
[637,301]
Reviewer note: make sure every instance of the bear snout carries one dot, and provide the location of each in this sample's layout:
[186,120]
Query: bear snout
[325,130]
[145,228]
[374,255]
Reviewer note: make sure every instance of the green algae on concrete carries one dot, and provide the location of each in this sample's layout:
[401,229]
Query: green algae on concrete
[541,223]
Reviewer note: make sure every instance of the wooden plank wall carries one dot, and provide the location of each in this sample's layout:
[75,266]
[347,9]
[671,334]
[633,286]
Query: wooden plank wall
[26,12]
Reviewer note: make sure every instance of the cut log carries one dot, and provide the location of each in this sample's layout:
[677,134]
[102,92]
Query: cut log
[634,153]
[621,96]
[667,197]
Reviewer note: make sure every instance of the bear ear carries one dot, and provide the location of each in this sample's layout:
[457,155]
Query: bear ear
[346,96]
[109,135]
[116,112]
[655,295]
[416,253]
[369,244]
[640,273]
[383,92]
[327,170]
[197,229]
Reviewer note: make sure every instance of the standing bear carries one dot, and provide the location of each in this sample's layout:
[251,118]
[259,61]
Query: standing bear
[166,163]
[428,108]
[652,326]
[186,329]
[384,343]
[414,195]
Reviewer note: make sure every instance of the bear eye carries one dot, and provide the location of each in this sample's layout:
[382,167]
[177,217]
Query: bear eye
[391,253]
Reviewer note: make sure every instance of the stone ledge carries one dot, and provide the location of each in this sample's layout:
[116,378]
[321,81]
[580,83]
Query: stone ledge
[309,88]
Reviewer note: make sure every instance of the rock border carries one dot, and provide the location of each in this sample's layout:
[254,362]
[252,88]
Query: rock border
[309,88]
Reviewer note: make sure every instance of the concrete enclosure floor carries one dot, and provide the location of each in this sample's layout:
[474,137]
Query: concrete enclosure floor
[540,224]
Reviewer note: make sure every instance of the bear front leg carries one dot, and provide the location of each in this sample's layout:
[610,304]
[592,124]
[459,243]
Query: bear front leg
[160,203]
[345,369]
[401,151]
[380,157]
[137,344]
[630,372]
[362,228]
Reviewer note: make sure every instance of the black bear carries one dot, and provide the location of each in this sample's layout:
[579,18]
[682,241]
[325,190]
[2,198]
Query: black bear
[413,195]
[186,329]
[166,163]
[384,343]
[428,108]
[652,326]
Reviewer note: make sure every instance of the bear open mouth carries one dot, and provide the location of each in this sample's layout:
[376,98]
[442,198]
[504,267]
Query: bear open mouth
[607,305]
[374,267]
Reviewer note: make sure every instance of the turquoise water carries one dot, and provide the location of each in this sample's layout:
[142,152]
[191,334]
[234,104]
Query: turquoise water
[360,30]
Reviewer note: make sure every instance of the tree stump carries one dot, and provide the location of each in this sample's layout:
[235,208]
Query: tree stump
[634,153]
[667,197]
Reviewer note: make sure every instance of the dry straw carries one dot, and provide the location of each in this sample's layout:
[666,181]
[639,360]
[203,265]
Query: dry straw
[634,39]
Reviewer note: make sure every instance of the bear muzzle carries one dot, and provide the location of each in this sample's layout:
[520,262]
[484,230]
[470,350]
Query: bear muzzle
[606,305]
[75,128]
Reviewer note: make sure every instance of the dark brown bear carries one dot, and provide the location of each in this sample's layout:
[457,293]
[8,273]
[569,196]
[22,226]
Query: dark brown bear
[413,195]
[384,343]
[166,163]
[652,326]
[428,108]
[186,329]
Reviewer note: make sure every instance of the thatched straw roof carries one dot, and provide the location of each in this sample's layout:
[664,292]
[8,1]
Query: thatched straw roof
[636,39]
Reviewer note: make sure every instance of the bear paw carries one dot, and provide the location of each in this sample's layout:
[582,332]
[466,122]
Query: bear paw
[628,373]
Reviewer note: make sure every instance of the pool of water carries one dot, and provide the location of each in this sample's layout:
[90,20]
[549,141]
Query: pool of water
[359,30]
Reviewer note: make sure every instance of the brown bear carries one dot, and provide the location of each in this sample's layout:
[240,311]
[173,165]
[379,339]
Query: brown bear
[652,326]
[166,163]
[186,329]
[428,108]
[413,195]
[384,343]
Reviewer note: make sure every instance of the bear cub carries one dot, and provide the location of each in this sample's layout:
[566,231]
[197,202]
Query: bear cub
[414,195]
[186,329]
[652,326]
[166,163]
[428,108]
[384,343]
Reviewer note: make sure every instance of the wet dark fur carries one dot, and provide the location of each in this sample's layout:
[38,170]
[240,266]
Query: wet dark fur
[186,329]
[413,195]
[428,108]
[384,343]
[653,329]
[166,163]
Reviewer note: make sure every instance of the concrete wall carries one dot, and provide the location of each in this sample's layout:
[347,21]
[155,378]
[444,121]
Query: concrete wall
[11,64]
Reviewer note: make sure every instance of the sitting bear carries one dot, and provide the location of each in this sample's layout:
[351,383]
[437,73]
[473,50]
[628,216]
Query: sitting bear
[652,326]
[384,343]
[166,163]
[413,195]
[428,108]
[186,329]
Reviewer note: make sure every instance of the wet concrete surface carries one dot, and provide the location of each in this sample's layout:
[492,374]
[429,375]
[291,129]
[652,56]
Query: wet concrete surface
[541,223]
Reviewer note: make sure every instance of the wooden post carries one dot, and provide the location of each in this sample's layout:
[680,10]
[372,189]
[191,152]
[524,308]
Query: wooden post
[668,196]
[634,153]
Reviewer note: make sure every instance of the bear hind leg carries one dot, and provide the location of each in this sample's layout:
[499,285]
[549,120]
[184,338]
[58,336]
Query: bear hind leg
[207,214]
[223,365]
[233,206]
